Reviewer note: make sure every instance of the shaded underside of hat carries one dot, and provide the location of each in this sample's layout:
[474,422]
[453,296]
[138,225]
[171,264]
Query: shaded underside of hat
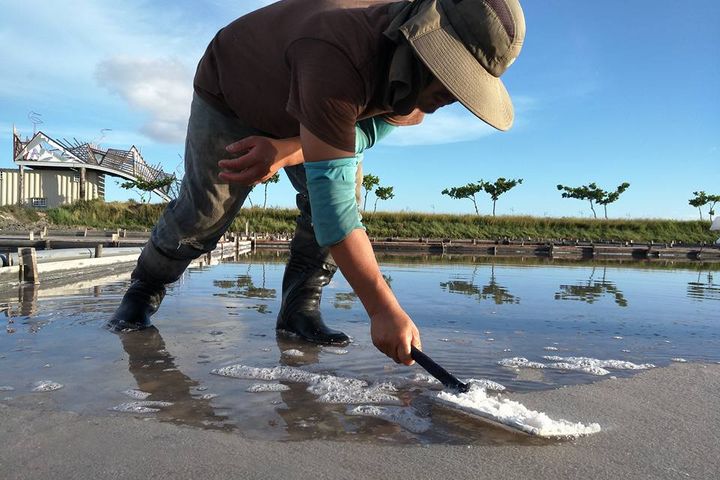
[443,51]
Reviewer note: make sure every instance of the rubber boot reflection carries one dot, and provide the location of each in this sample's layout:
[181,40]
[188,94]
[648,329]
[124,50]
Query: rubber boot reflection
[155,372]
[304,416]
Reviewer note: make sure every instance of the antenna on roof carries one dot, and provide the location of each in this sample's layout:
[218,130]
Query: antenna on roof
[34,117]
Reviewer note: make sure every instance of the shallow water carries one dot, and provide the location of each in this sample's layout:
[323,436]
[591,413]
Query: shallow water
[472,315]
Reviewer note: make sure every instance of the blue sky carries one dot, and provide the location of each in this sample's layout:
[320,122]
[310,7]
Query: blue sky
[604,91]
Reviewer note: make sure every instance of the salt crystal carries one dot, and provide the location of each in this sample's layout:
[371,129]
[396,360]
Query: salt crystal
[293,353]
[139,394]
[267,387]
[406,417]
[143,406]
[46,386]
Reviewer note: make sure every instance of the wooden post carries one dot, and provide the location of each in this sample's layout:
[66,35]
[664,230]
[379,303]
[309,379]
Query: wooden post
[43,232]
[98,250]
[247,228]
[31,235]
[21,185]
[237,244]
[29,265]
[83,189]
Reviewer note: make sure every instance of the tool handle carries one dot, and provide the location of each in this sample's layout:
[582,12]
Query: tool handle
[445,377]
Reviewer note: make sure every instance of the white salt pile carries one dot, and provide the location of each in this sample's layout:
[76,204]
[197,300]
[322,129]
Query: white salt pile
[508,413]
[143,406]
[592,366]
[267,387]
[139,394]
[46,386]
[406,417]
[328,388]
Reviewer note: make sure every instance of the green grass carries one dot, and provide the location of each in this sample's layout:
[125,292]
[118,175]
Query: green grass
[133,215]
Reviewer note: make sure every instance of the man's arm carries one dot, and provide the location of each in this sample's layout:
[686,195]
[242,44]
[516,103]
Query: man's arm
[392,330]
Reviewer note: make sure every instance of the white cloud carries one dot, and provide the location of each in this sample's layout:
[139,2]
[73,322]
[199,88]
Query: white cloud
[159,87]
[448,125]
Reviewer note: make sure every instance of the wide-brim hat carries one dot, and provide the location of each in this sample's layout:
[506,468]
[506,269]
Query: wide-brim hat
[467,45]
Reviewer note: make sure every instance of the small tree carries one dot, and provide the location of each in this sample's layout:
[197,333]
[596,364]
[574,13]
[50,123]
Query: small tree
[147,186]
[590,192]
[698,201]
[369,182]
[466,191]
[383,193]
[274,179]
[500,186]
[713,200]
[611,197]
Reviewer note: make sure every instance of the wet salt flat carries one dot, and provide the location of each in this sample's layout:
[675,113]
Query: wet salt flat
[215,362]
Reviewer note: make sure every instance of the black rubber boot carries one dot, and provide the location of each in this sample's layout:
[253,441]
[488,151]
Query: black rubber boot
[141,300]
[307,272]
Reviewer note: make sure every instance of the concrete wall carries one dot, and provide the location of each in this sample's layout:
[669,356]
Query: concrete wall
[57,186]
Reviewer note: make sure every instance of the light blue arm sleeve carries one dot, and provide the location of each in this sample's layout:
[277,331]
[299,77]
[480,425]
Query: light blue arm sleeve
[331,188]
[370,131]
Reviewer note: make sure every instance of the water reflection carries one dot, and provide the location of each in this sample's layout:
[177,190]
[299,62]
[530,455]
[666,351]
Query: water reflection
[243,286]
[156,373]
[592,290]
[704,288]
[344,300]
[492,290]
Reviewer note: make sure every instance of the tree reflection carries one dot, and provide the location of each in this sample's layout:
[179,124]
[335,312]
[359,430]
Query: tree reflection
[592,290]
[243,286]
[704,289]
[493,290]
[344,300]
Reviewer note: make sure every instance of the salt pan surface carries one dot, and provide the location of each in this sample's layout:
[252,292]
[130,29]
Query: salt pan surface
[477,402]
[406,417]
[46,386]
[267,387]
[143,406]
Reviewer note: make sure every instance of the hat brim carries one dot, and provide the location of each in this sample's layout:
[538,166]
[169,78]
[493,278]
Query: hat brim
[445,55]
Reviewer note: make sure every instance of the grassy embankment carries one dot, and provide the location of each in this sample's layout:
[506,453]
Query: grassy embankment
[133,215]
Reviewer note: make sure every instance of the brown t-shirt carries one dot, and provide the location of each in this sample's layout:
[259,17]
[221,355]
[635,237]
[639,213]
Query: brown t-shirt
[322,63]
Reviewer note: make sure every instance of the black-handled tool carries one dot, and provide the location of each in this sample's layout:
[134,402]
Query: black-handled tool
[445,377]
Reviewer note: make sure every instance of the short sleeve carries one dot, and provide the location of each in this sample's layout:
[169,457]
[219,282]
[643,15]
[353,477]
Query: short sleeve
[413,118]
[327,94]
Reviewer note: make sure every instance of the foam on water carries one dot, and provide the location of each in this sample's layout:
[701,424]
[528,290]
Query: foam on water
[328,388]
[267,387]
[139,394]
[142,406]
[519,362]
[46,386]
[592,366]
[586,362]
[293,352]
[406,417]
[508,413]
[334,350]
